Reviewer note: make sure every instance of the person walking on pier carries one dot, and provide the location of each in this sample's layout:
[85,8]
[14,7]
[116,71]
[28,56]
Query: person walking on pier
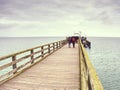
[73,41]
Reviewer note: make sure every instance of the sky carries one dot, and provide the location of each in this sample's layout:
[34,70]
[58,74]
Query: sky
[34,18]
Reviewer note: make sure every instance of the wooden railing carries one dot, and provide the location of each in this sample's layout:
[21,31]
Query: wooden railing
[89,79]
[14,64]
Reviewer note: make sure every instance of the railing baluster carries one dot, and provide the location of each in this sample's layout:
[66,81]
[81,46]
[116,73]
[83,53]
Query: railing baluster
[42,51]
[57,45]
[53,46]
[32,57]
[14,65]
[48,48]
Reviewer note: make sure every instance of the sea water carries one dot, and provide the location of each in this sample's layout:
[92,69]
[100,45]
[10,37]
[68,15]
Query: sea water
[104,55]
[9,45]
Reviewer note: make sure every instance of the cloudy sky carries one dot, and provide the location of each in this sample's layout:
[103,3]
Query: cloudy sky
[59,17]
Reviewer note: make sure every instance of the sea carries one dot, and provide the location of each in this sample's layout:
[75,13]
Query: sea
[104,54]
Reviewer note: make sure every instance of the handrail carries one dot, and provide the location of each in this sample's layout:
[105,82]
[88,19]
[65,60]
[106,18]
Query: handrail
[89,79]
[20,61]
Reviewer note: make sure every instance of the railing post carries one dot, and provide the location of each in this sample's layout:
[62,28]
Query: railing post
[49,48]
[14,65]
[32,56]
[61,43]
[57,44]
[53,46]
[42,51]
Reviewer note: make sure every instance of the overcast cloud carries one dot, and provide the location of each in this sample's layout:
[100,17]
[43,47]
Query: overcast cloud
[59,17]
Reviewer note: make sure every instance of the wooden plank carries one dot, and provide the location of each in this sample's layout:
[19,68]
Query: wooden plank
[18,73]
[58,71]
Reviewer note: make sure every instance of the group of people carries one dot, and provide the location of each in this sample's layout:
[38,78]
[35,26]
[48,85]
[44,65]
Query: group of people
[85,42]
[72,40]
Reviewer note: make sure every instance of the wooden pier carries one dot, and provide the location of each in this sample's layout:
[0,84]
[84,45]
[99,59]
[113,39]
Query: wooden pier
[57,68]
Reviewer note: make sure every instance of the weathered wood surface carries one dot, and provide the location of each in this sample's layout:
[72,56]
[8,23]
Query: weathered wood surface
[89,77]
[59,71]
[36,55]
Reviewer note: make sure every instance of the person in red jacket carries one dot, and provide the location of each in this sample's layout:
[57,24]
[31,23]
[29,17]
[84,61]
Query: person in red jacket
[73,41]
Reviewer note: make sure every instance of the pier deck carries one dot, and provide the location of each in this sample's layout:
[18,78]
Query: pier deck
[59,71]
